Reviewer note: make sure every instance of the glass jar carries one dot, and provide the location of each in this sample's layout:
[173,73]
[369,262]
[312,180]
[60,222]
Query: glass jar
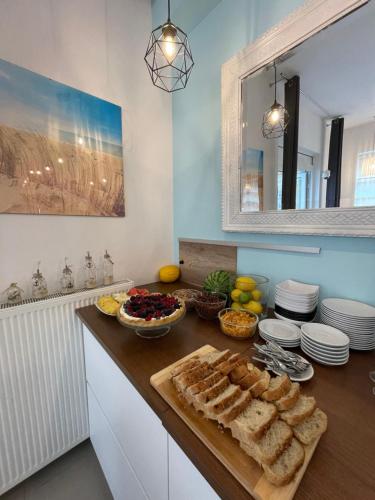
[89,272]
[39,288]
[67,279]
[251,292]
[107,269]
[13,294]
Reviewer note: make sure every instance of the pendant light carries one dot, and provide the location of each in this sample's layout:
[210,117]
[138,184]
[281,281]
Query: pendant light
[275,119]
[168,56]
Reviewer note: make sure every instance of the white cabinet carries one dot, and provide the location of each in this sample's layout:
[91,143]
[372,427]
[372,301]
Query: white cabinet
[139,432]
[185,481]
[120,477]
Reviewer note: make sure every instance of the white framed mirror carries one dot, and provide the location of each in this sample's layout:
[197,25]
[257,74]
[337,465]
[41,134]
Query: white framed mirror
[315,175]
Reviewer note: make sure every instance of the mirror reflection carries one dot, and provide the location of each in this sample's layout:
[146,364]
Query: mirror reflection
[308,122]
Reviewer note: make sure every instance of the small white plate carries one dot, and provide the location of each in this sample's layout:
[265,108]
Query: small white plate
[280,330]
[325,349]
[299,377]
[298,288]
[320,357]
[350,308]
[324,334]
[292,321]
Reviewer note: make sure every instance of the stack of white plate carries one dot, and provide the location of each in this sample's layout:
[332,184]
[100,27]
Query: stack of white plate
[325,344]
[355,319]
[284,334]
[296,302]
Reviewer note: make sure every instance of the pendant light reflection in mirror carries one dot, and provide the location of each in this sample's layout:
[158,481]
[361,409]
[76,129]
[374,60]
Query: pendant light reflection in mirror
[275,119]
[168,57]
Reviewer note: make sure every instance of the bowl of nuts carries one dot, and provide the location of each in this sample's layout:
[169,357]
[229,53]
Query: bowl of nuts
[208,304]
[240,324]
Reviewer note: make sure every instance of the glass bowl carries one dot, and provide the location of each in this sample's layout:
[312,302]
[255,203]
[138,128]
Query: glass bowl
[209,304]
[188,295]
[240,324]
[151,332]
[257,289]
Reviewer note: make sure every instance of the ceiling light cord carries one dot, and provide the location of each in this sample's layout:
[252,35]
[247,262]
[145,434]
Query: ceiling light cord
[169,11]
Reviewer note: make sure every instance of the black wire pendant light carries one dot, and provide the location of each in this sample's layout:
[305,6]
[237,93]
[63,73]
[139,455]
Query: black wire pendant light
[275,119]
[168,56]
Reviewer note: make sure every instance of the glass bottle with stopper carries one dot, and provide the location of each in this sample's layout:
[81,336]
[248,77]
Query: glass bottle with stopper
[13,294]
[38,284]
[90,271]
[67,279]
[108,269]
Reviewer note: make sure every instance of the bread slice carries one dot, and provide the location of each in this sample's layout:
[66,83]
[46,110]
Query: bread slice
[192,376]
[312,427]
[186,365]
[222,401]
[254,421]
[262,385]
[205,383]
[252,376]
[277,388]
[238,373]
[235,409]
[271,445]
[290,399]
[301,410]
[231,363]
[283,470]
[214,391]
[215,358]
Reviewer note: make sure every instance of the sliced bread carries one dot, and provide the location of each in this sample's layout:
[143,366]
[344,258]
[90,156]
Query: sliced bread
[290,399]
[271,445]
[238,373]
[215,358]
[283,470]
[252,376]
[222,401]
[186,365]
[261,385]
[312,427]
[205,383]
[277,388]
[231,363]
[301,410]
[253,421]
[190,377]
[235,409]
[214,391]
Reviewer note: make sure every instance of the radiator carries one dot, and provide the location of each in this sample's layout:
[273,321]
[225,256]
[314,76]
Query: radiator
[43,402]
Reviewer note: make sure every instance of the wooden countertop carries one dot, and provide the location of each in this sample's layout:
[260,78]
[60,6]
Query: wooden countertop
[343,466]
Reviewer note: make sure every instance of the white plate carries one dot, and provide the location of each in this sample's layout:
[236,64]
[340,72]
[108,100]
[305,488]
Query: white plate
[280,329]
[295,298]
[324,334]
[323,354]
[343,319]
[325,349]
[294,307]
[280,342]
[298,288]
[350,308]
[322,361]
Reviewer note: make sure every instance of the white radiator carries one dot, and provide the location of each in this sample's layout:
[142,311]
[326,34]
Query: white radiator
[43,402]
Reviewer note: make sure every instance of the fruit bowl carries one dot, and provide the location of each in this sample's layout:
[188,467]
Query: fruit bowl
[250,293]
[208,305]
[151,332]
[188,295]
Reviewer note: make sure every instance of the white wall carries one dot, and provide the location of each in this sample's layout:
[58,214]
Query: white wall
[96,46]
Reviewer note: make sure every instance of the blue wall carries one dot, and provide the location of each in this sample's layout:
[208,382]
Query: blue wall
[346,266]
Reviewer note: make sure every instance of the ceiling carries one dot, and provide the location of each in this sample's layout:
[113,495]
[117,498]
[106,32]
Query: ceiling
[337,68]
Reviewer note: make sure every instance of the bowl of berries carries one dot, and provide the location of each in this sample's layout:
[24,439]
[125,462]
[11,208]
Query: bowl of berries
[151,315]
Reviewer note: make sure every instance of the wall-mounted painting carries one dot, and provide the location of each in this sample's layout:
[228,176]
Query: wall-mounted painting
[60,148]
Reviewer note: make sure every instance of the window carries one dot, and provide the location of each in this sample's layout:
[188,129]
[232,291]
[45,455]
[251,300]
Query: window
[364,194]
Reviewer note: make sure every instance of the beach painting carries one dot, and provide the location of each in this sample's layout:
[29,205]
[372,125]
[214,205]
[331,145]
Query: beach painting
[60,148]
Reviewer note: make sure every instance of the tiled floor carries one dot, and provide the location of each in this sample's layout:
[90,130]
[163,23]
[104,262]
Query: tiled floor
[75,476]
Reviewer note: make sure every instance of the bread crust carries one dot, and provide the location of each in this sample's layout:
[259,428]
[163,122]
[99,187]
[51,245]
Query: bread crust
[290,399]
[278,387]
[205,384]
[280,480]
[295,415]
[237,407]
[219,406]
[262,385]
[186,365]
[214,391]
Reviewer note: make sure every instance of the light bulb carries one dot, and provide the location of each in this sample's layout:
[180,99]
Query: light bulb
[275,116]
[169,47]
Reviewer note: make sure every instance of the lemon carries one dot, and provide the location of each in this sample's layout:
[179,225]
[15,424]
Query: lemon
[236,306]
[235,294]
[244,297]
[254,307]
[257,295]
[246,284]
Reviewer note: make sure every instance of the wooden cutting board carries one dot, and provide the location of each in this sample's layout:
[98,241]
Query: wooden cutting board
[223,445]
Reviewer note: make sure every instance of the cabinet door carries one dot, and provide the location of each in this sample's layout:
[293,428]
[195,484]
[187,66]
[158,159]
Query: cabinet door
[185,481]
[138,430]
[119,475]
